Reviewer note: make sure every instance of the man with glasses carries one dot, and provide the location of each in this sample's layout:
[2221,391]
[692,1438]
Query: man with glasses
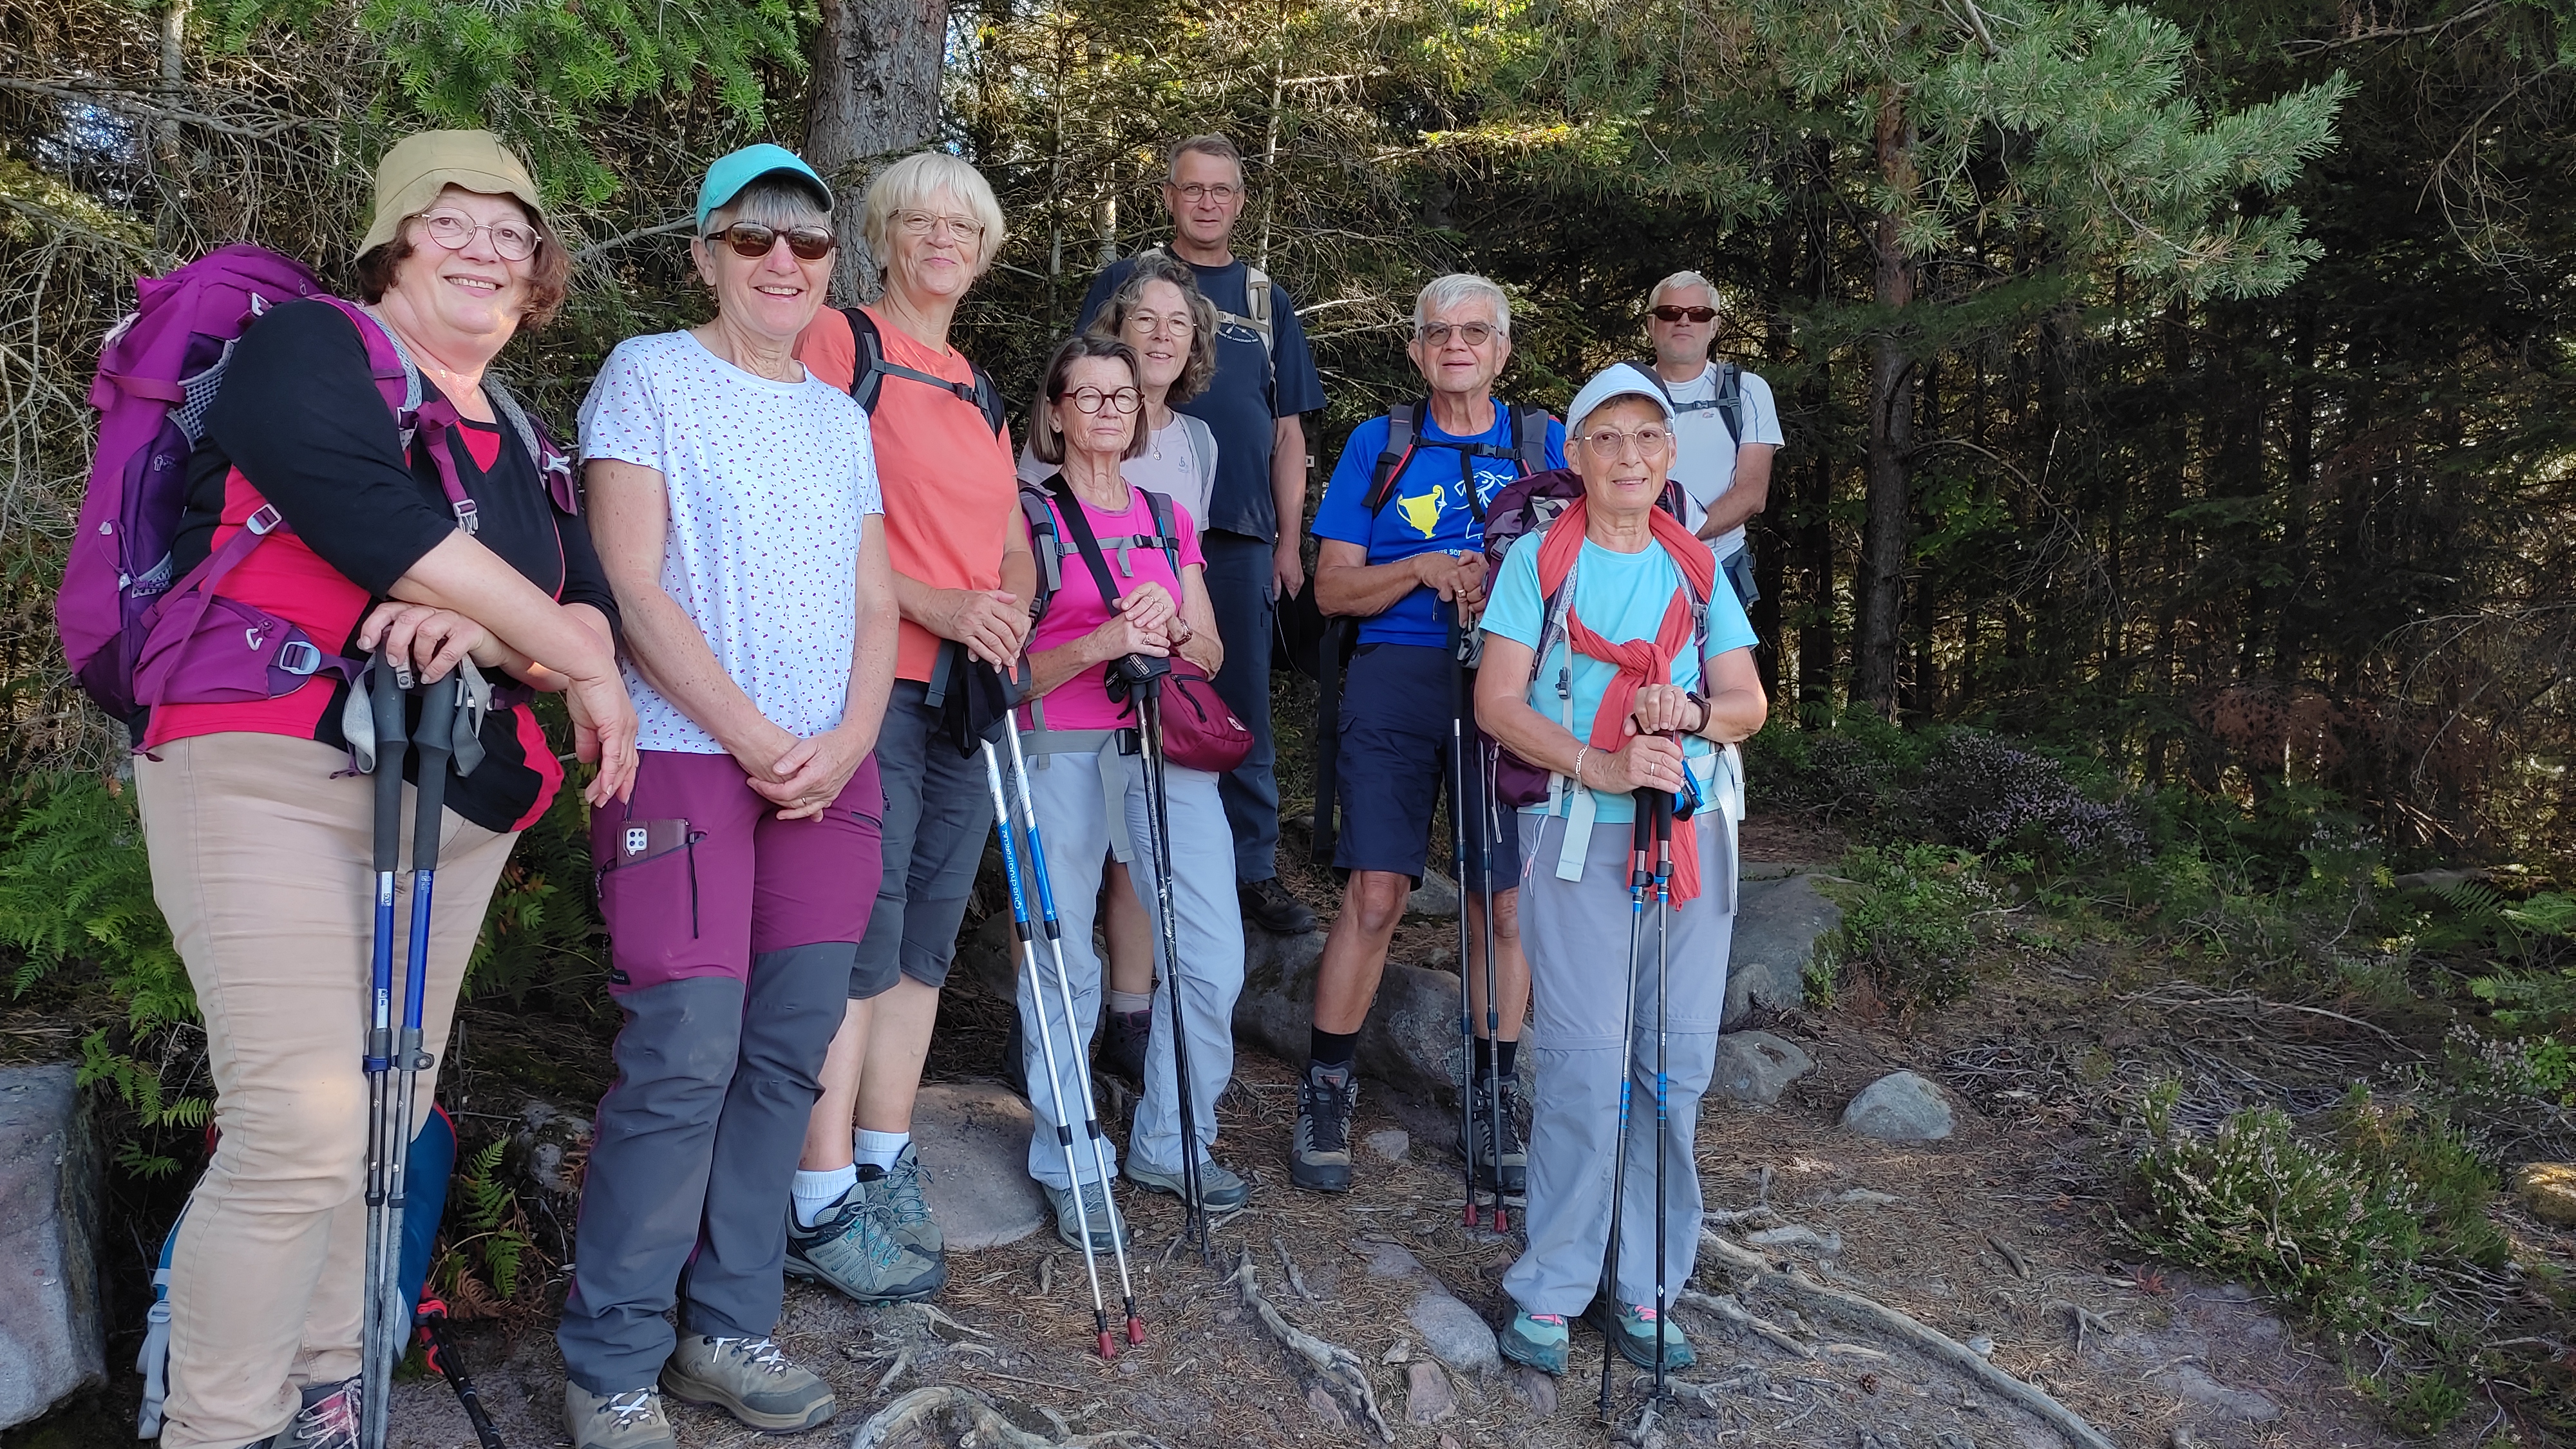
[1404,554]
[1728,428]
[1265,382]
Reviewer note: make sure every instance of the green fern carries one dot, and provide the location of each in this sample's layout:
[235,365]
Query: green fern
[76,886]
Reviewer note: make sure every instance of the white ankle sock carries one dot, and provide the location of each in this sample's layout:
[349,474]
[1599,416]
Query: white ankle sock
[815,1192]
[879,1149]
[1127,1003]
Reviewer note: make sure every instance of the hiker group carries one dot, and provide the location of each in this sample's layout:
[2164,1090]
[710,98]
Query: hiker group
[824,632]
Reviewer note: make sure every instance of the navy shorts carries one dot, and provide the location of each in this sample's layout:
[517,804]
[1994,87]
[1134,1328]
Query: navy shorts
[1392,765]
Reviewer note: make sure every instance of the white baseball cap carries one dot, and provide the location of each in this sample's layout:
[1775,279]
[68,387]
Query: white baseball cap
[1618,380]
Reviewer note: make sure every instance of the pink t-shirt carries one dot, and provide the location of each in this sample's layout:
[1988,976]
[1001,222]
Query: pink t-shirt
[1082,702]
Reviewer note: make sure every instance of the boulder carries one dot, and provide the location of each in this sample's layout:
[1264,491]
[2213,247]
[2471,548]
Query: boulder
[974,1143]
[1437,896]
[1756,1067]
[1427,1395]
[549,1147]
[53,1330]
[1391,1144]
[1451,1330]
[2548,1191]
[1778,920]
[1900,1107]
[1411,1034]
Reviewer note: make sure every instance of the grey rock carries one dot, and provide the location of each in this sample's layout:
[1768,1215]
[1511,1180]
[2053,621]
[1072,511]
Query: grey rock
[1536,1390]
[1756,1067]
[1327,1410]
[1450,1330]
[1900,1107]
[53,1333]
[2242,1404]
[1411,1031]
[546,1139]
[1427,1396]
[1777,924]
[1437,896]
[1390,1144]
[973,1138]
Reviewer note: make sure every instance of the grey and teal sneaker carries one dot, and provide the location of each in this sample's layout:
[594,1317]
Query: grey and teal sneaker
[1513,1180]
[907,1206]
[1632,1327]
[1095,1210]
[1123,1035]
[1319,1158]
[631,1420]
[1536,1339]
[853,1249]
[1220,1191]
[749,1378]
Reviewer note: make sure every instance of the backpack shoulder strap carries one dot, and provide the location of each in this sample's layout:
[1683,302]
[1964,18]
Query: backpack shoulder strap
[1529,427]
[553,464]
[988,400]
[1257,307]
[1401,422]
[398,379]
[869,370]
[1730,401]
[867,367]
[1079,525]
[1202,449]
[1049,544]
[1167,531]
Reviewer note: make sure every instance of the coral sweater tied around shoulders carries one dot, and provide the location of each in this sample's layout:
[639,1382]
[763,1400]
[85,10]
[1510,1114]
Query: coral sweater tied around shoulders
[1638,661]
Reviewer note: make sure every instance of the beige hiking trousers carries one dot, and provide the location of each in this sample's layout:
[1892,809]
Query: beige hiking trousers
[262,863]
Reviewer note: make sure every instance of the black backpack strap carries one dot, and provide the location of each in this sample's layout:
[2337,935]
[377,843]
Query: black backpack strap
[1529,426]
[868,374]
[1402,420]
[1084,543]
[1049,546]
[867,367]
[1166,531]
[988,399]
[1730,401]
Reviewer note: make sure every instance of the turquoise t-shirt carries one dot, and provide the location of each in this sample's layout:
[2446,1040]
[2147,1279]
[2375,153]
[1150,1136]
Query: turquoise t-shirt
[1621,596]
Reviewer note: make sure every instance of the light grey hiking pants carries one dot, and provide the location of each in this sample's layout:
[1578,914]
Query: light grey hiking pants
[1575,933]
[1074,795]
[690,1160]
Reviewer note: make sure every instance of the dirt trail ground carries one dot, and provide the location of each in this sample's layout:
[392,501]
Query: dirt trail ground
[2004,1233]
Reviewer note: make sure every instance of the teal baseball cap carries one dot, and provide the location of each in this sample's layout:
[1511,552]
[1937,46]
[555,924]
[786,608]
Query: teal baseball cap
[738,169]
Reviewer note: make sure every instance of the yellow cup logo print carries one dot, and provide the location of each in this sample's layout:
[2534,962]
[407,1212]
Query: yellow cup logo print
[1420,512]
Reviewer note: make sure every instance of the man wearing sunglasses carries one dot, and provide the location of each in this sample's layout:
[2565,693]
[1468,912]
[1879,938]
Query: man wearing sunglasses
[1727,427]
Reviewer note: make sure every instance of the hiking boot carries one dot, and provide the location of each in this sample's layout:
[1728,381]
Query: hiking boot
[1095,1206]
[1632,1327]
[852,1248]
[631,1420]
[1515,1158]
[1123,1035]
[1015,1060]
[1267,904]
[749,1378]
[328,1418]
[907,1208]
[1536,1339]
[1319,1160]
[1220,1191]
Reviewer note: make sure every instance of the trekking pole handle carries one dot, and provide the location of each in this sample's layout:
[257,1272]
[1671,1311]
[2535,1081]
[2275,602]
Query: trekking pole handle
[385,700]
[435,741]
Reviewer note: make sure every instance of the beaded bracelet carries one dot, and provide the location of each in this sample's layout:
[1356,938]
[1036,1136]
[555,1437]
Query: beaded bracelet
[1578,763]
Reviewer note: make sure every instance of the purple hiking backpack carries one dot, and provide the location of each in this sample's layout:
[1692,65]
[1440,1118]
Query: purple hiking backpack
[134,635]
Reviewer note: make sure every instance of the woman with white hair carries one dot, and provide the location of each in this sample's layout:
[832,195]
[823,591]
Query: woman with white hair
[963,577]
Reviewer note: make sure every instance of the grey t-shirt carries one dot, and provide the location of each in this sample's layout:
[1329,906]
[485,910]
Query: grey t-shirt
[1704,457]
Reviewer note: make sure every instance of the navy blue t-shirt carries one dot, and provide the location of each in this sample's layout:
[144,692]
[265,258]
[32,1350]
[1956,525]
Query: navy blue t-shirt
[1243,402]
[1427,512]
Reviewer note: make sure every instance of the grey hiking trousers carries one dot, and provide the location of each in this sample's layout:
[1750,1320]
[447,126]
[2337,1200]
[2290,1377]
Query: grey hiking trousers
[1575,933]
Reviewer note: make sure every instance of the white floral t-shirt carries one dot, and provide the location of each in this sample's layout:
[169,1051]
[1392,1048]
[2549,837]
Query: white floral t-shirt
[769,484]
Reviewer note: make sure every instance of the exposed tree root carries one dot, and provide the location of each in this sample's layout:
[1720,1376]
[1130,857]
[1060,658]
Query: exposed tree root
[1335,1367]
[1852,1307]
[948,1414]
[1730,1311]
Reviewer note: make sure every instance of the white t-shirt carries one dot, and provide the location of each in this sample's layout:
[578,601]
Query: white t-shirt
[1704,458]
[769,483]
[1169,466]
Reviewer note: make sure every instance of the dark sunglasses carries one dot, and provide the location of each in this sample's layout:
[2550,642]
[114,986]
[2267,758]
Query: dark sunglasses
[1677,314]
[751,239]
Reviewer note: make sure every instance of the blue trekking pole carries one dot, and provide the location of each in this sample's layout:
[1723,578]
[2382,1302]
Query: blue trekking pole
[1663,915]
[1046,1047]
[434,742]
[384,1152]
[1466,1006]
[1064,993]
[1639,877]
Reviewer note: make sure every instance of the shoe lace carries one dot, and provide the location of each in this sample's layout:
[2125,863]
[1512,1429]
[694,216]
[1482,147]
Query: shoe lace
[763,1354]
[1552,1320]
[1327,1115]
[331,1421]
[631,1408]
[905,1201]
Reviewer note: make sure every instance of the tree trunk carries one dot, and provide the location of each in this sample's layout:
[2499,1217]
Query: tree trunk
[875,98]
[1880,605]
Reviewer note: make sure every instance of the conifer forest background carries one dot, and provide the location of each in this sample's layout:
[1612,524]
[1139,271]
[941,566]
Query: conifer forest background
[2175,536]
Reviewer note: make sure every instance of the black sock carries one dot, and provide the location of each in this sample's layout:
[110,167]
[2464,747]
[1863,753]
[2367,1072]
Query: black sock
[1487,1051]
[1330,1049]
[1509,1054]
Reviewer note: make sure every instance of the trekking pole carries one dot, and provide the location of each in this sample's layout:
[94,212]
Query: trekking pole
[1663,916]
[1046,1047]
[433,741]
[1466,1004]
[1064,993]
[1158,813]
[1638,878]
[383,1260]
[1491,819]
[440,1355]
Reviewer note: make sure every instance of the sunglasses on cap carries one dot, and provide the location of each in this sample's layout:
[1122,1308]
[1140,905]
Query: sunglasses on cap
[1682,314]
[751,239]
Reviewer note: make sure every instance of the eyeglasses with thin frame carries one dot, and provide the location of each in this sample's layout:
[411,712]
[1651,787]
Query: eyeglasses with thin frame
[1669,313]
[924,223]
[1198,191]
[1614,442]
[512,241]
[1178,324]
[1092,399]
[1474,334]
[751,239]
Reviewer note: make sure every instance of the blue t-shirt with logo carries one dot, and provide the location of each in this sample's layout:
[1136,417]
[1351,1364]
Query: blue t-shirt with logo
[1428,511]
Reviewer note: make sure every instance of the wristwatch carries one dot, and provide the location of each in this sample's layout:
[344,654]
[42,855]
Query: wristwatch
[1695,697]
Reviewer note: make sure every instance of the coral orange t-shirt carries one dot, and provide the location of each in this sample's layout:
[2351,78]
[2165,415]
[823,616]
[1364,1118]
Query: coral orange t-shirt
[950,484]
